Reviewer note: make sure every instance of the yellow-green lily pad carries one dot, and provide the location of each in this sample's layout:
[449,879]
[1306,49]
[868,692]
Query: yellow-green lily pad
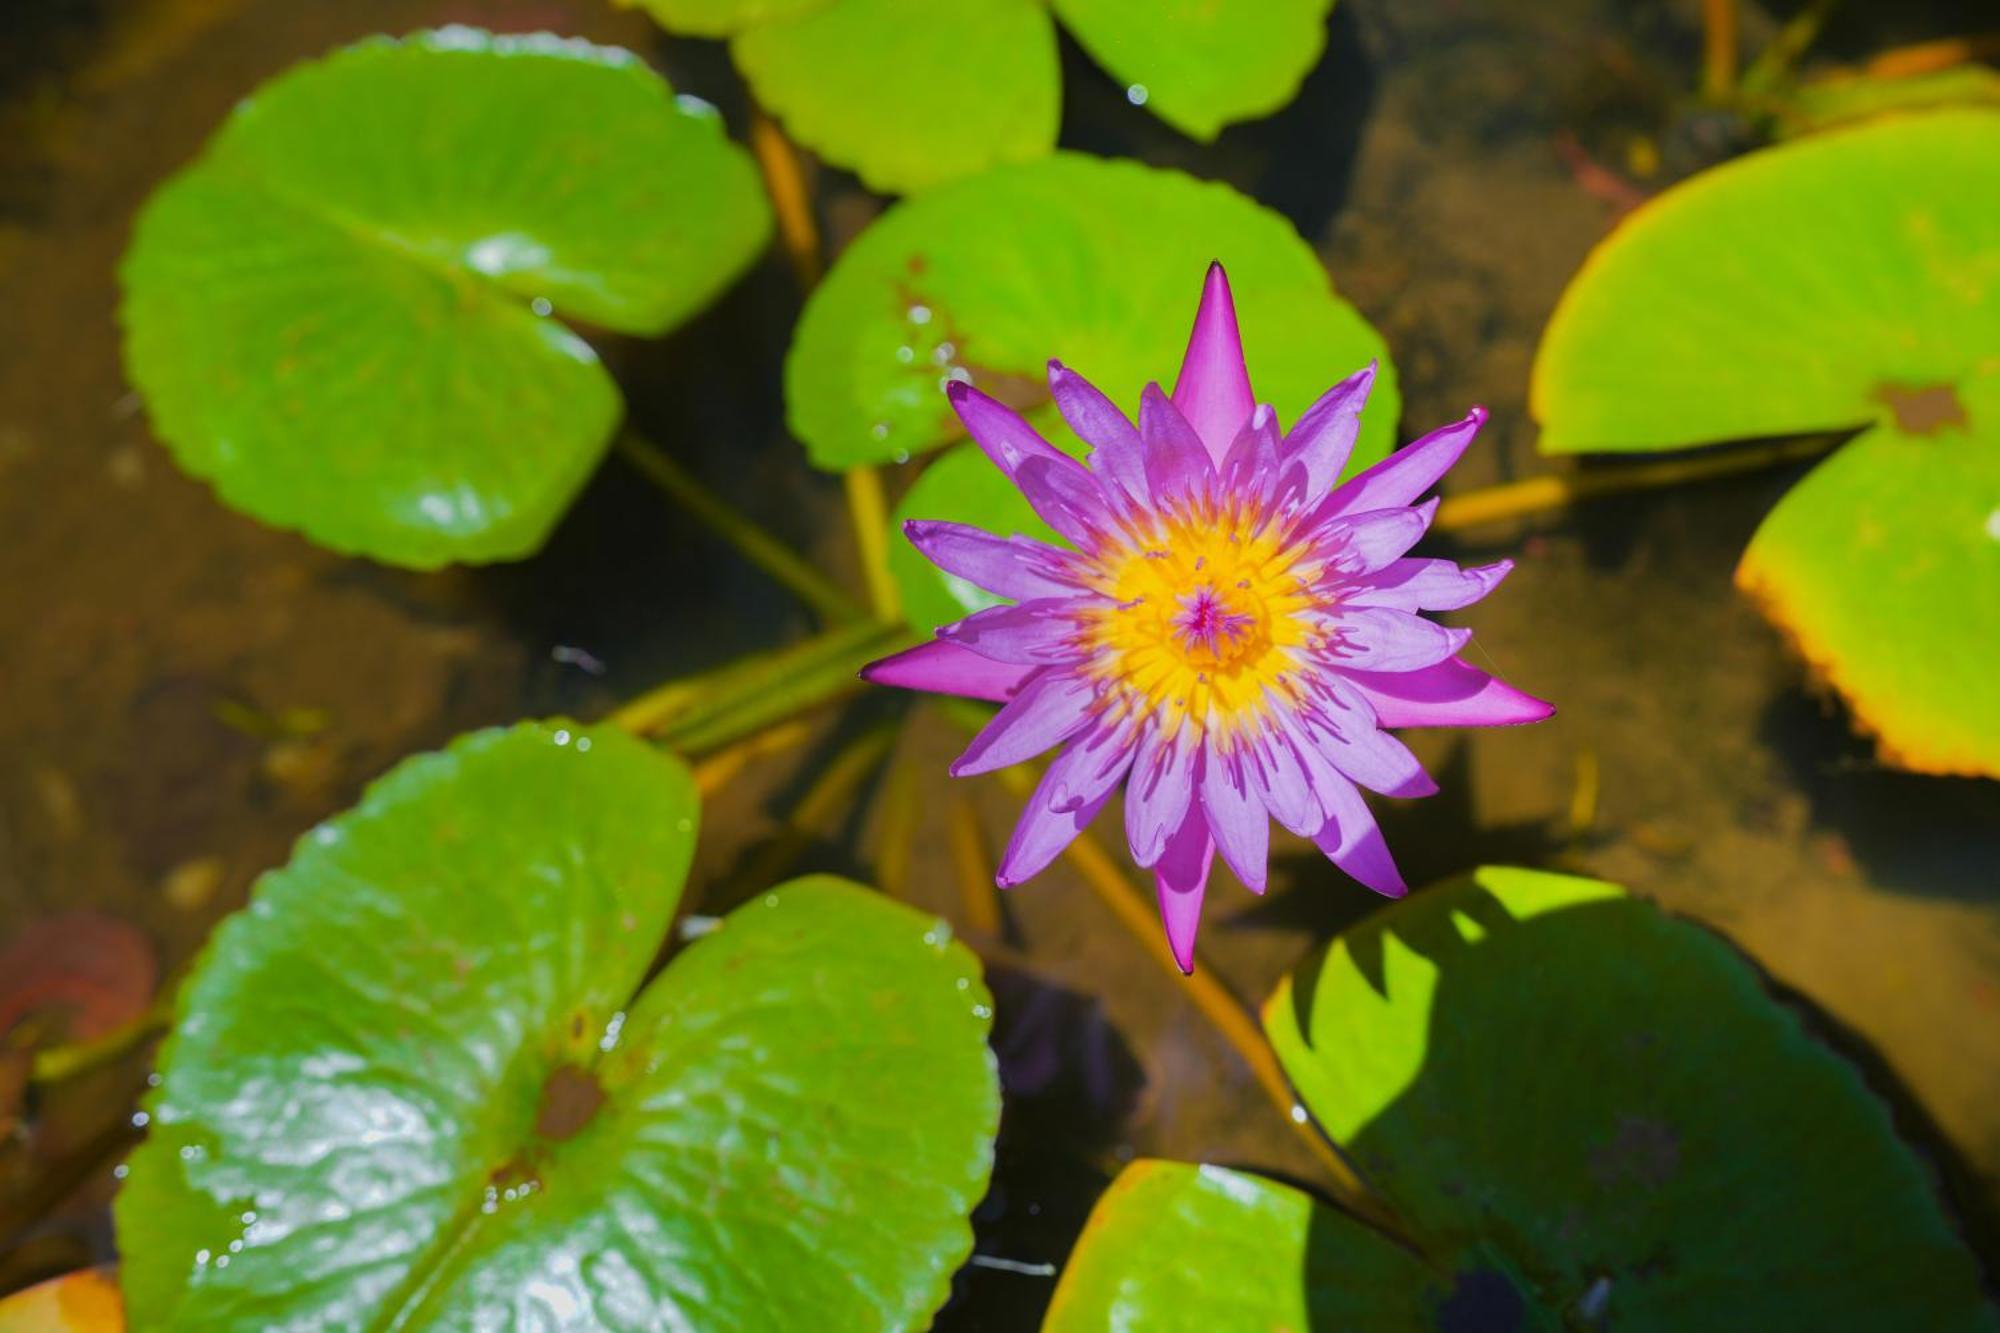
[1847,281]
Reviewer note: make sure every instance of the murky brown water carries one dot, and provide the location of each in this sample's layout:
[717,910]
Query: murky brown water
[183,692]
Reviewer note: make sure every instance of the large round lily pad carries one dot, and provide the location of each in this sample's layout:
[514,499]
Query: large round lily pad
[1097,263]
[411,1085]
[1174,1246]
[343,314]
[1540,1067]
[1849,280]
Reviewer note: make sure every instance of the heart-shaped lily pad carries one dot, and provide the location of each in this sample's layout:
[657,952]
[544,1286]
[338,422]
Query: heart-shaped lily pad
[1175,1246]
[1541,1068]
[411,1085]
[341,314]
[1848,280]
[912,93]
[1095,262]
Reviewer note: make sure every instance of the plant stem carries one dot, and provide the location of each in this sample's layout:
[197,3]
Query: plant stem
[1535,495]
[977,893]
[791,199]
[838,780]
[720,768]
[896,829]
[675,701]
[758,546]
[869,512]
[1718,49]
[781,688]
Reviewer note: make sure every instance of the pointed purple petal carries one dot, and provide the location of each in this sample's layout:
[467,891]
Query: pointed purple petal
[1322,439]
[1343,731]
[1427,585]
[1007,439]
[1037,633]
[1177,466]
[1352,841]
[1017,567]
[1213,390]
[1279,780]
[1251,468]
[1091,767]
[1406,474]
[946,668]
[1044,829]
[1240,825]
[1067,497]
[1374,638]
[1450,694]
[1158,791]
[1116,452]
[1181,880]
[1050,708]
[1368,541]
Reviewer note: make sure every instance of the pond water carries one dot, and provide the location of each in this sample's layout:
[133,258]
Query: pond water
[183,692]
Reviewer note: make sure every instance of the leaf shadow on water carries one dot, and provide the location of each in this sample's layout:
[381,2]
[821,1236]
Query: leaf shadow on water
[1321,125]
[1910,833]
[1602,1107]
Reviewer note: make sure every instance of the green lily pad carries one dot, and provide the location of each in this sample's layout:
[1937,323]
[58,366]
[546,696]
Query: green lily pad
[411,1085]
[1176,1246]
[340,315]
[1542,1067]
[1199,65]
[1843,281]
[910,92]
[1098,263]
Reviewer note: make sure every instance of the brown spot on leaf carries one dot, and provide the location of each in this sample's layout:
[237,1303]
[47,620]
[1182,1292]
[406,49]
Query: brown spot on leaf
[1923,410]
[569,1102]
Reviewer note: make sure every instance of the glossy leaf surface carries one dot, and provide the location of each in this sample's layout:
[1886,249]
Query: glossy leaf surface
[1096,263]
[411,1086]
[342,315]
[1609,1099]
[1848,280]
[910,92]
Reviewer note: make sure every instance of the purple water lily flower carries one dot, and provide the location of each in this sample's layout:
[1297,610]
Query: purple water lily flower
[1230,635]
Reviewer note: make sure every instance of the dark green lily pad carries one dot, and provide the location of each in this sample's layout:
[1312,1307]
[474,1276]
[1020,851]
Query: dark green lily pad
[1098,263]
[1539,1066]
[910,92]
[1842,281]
[411,1086]
[341,314]
[1176,1246]
[1199,65]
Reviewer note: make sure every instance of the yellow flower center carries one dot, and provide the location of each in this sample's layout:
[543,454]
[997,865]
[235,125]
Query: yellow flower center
[1208,616]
